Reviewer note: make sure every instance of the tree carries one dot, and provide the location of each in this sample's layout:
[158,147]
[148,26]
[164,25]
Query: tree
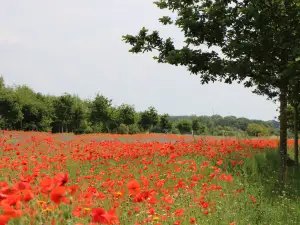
[195,125]
[100,110]
[63,108]
[36,114]
[207,122]
[10,109]
[127,114]
[113,120]
[294,125]
[202,128]
[184,126]
[242,123]
[47,112]
[228,121]
[148,118]
[198,127]
[165,123]
[79,116]
[27,101]
[294,101]
[254,129]
[123,129]
[2,83]
[263,44]
[258,38]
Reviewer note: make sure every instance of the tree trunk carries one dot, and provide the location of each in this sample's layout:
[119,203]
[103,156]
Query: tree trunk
[296,135]
[283,134]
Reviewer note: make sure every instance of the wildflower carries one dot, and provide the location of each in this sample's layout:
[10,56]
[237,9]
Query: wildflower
[58,195]
[119,193]
[177,222]
[27,195]
[77,212]
[253,199]
[155,218]
[206,212]
[61,178]
[4,219]
[192,220]
[220,162]
[133,187]
[47,210]
[179,212]
[100,216]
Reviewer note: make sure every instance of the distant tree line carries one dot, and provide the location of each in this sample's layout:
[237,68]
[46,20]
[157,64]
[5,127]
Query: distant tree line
[23,109]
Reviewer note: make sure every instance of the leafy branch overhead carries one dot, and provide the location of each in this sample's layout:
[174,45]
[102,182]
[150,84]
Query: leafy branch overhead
[254,38]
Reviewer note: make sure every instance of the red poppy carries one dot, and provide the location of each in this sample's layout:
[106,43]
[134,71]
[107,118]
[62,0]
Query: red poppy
[4,219]
[58,194]
[100,216]
[10,211]
[61,178]
[192,221]
[133,187]
[27,195]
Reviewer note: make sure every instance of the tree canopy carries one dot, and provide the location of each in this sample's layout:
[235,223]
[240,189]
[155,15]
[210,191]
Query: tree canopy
[258,43]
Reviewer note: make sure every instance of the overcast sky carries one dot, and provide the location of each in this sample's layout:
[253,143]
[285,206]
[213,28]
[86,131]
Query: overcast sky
[76,46]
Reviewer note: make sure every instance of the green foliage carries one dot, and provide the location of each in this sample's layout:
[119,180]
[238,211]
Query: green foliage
[127,114]
[98,128]
[78,123]
[10,109]
[175,130]
[2,83]
[100,109]
[165,123]
[23,109]
[123,129]
[134,129]
[199,127]
[63,108]
[228,125]
[254,129]
[226,131]
[184,127]
[290,118]
[156,129]
[148,118]
[195,125]
[113,121]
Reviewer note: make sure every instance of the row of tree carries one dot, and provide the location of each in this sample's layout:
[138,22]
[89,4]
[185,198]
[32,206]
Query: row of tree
[23,109]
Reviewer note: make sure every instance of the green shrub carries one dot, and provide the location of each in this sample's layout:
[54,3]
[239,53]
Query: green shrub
[123,129]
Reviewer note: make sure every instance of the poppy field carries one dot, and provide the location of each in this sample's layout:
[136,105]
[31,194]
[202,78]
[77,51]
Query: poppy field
[142,179]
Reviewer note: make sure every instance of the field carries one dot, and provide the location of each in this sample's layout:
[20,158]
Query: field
[143,179]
